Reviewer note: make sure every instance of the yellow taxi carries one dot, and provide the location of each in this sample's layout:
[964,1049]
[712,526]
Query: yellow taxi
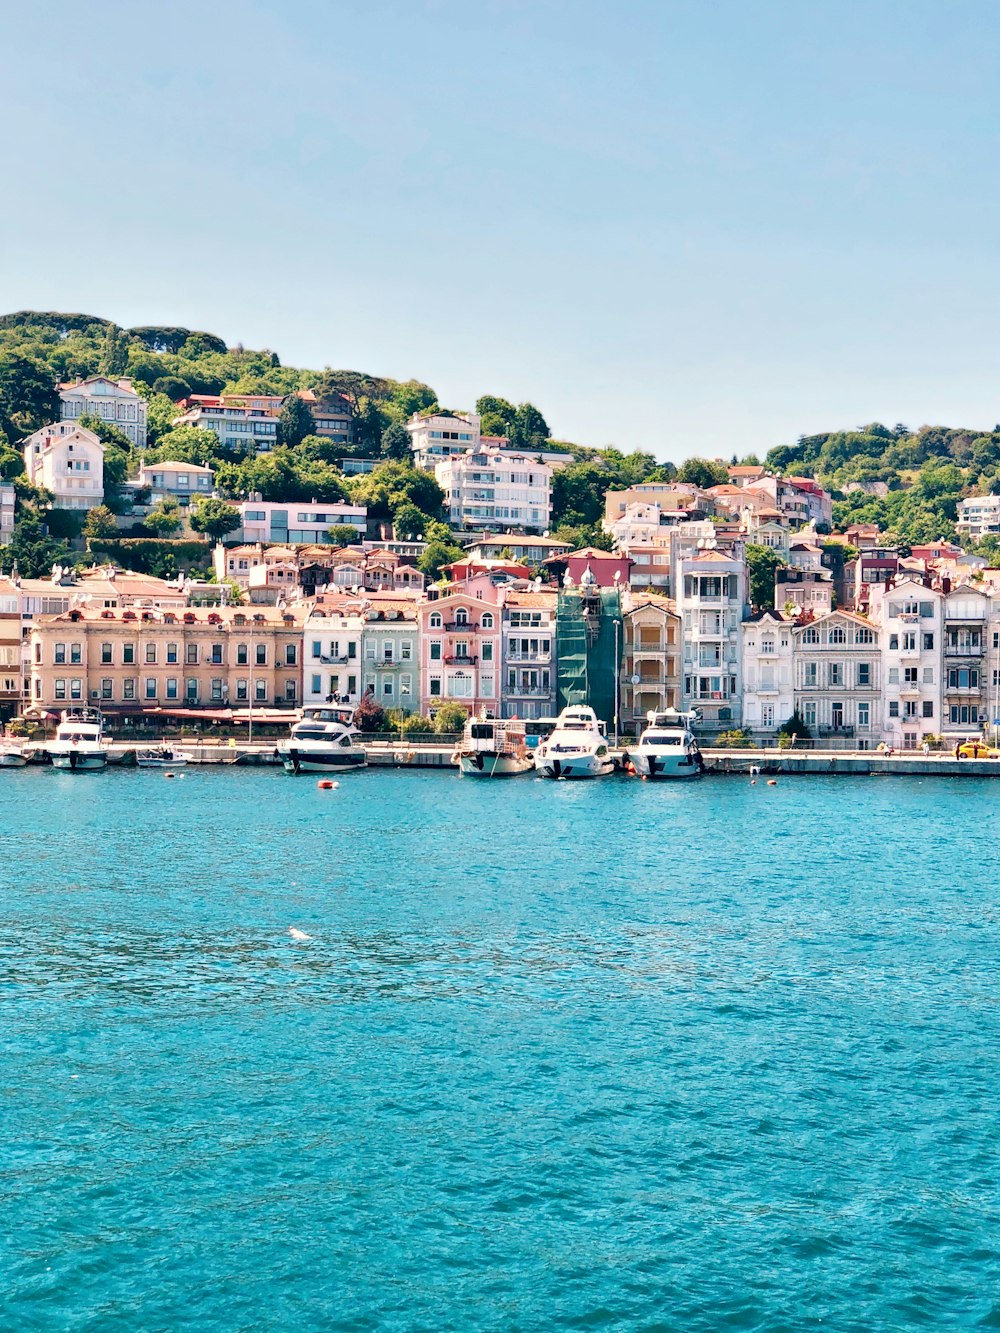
[974,748]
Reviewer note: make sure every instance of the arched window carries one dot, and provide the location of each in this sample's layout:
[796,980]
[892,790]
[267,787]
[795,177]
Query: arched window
[811,635]
[435,620]
[461,616]
[487,620]
[837,634]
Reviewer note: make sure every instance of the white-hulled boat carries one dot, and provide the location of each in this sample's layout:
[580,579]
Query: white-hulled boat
[493,748]
[79,743]
[324,740]
[667,747]
[12,756]
[577,747]
[162,756]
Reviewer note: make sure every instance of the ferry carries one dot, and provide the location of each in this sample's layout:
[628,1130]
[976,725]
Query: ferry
[492,748]
[323,740]
[667,747]
[79,744]
[577,747]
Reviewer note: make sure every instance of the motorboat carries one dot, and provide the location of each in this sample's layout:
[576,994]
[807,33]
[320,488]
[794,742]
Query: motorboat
[667,747]
[493,748]
[323,740]
[162,756]
[12,756]
[79,741]
[576,748]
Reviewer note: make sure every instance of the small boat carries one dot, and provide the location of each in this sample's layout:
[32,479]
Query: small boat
[492,748]
[12,756]
[79,744]
[577,747]
[323,740]
[162,757]
[667,747]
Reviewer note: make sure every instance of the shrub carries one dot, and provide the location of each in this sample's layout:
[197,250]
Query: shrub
[794,726]
[450,717]
[417,725]
[368,716]
[740,738]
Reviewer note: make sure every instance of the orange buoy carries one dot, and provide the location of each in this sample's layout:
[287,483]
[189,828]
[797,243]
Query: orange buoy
[325,784]
[772,782]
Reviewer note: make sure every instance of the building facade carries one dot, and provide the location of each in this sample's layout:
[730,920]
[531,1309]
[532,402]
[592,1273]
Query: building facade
[460,642]
[529,666]
[332,653]
[114,401]
[712,601]
[240,426]
[837,664]
[175,481]
[650,673]
[299,523]
[443,435]
[390,651]
[484,489]
[67,460]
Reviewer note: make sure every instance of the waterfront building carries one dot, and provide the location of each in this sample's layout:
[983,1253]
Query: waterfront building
[390,649]
[485,489]
[113,400]
[910,615]
[131,661]
[529,666]
[590,643]
[711,597]
[650,671]
[67,460]
[837,665]
[332,649]
[297,522]
[239,424]
[442,435]
[460,643]
[175,481]
[768,671]
[11,663]
[978,515]
[966,661]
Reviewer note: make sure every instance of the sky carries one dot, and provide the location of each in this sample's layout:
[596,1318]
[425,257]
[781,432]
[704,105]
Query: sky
[685,227]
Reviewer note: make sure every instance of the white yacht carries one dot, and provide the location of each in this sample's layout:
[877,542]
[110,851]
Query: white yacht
[79,743]
[667,747]
[322,741]
[161,756]
[11,755]
[577,747]
[492,748]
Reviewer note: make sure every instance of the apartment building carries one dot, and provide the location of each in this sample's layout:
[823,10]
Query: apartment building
[650,670]
[711,597]
[529,668]
[67,460]
[114,401]
[442,435]
[485,489]
[244,424]
[332,649]
[299,522]
[390,650]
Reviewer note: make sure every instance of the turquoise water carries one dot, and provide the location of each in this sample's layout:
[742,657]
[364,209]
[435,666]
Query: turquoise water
[584,1056]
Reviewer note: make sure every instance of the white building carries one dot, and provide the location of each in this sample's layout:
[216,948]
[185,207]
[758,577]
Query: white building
[768,671]
[297,522]
[837,664]
[175,481]
[711,601]
[484,489]
[332,652]
[8,498]
[240,426]
[442,436]
[968,685]
[528,674]
[978,515]
[114,401]
[67,460]
[911,617]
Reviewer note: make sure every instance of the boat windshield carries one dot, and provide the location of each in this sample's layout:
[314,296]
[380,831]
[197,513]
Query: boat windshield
[662,738]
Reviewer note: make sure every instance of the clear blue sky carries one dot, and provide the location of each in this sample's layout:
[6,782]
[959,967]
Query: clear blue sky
[687,227]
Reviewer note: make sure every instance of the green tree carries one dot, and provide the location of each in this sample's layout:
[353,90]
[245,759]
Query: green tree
[496,414]
[185,444]
[164,518]
[761,564]
[703,472]
[172,387]
[436,555]
[31,549]
[396,442]
[215,518]
[100,522]
[344,534]
[409,522]
[390,485]
[529,429]
[114,352]
[295,421]
[28,398]
[450,717]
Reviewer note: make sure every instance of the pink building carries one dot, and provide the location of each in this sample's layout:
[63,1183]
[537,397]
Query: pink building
[460,650]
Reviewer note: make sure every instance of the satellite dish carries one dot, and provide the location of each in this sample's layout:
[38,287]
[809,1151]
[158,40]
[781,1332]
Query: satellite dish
[635,679]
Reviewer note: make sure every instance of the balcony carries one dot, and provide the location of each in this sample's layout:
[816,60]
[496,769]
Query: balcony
[964,650]
[514,658]
[835,731]
[459,627]
[453,659]
[529,691]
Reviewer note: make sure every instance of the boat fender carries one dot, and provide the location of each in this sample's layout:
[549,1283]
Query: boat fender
[772,782]
[325,784]
[410,756]
[168,775]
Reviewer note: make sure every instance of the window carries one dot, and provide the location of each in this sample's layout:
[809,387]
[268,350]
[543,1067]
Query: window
[405,650]
[435,687]
[192,690]
[811,635]
[60,689]
[894,675]
[926,610]
[289,691]
[836,674]
[864,636]
[107,689]
[151,654]
[487,620]
[811,674]
[910,708]
[387,685]
[893,642]
[352,649]
[894,708]
[260,654]
[260,690]
[106,654]
[909,643]
[837,634]
[864,674]
[191,654]
[928,675]
[910,675]
[767,646]
[128,688]
[928,642]
[435,652]
[963,678]
[59,655]
[171,654]
[965,714]
[216,655]
[241,691]
[76,688]
[75,654]
[435,620]
[216,690]
[809,713]
[291,654]
[928,708]
[487,652]
[864,714]
[150,687]
[128,654]
[317,648]
[241,654]
[405,686]
[171,687]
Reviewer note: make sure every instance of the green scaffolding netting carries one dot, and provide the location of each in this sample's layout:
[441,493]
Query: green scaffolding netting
[589,645]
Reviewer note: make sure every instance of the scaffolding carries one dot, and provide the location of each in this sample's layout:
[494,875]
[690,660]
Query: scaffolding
[589,642]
